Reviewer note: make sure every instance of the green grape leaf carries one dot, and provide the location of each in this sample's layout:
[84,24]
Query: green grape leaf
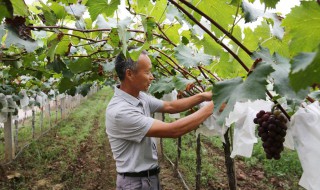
[278,46]
[180,82]
[185,41]
[113,38]
[172,13]
[76,10]
[6,10]
[13,38]
[57,65]
[49,15]
[210,46]
[140,6]
[218,10]
[2,31]
[189,58]
[281,80]
[124,35]
[305,70]
[250,39]
[97,7]
[237,90]
[28,59]
[65,84]
[270,3]
[80,65]
[88,23]
[80,34]
[264,54]
[19,7]
[135,53]
[84,89]
[52,47]
[163,86]
[235,2]
[158,10]
[58,9]
[301,25]
[69,1]
[67,74]
[72,91]
[172,31]
[225,66]
[149,25]
[262,32]
[63,46]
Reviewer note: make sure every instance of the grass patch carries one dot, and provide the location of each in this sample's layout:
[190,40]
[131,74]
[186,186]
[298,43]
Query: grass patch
[289,164]
[187,162]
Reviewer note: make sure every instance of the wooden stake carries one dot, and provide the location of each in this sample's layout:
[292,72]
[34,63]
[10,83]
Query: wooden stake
[8,139]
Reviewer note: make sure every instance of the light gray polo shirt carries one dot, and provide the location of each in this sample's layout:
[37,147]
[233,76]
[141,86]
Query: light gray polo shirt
[128,119]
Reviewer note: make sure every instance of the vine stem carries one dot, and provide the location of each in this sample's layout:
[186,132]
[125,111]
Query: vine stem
[164,67]
[208,71]
[92,30]
[210,34]
[164,34]
[310,99]
[99,51]
[279,106]
[205,76]
[216,25]
[183,70]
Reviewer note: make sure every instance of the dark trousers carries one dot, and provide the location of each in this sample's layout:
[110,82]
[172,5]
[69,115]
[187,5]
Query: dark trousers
[138,183]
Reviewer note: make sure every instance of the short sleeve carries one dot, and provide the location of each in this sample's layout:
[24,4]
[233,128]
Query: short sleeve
[132,125]
[154,103]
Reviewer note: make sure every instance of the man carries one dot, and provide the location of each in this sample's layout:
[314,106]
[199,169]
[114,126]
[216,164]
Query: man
[130,127]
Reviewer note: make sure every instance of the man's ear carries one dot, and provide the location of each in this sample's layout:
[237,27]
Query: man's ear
[129,74]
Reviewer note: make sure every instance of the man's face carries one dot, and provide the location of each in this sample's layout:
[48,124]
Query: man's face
[143,77]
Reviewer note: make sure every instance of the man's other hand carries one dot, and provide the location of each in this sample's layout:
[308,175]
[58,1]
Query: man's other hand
[207,96]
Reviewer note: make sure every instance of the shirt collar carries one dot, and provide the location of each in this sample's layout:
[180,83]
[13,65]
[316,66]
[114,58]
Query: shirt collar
[127,97]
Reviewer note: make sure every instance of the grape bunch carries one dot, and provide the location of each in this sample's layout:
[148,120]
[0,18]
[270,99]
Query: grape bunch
[272,130]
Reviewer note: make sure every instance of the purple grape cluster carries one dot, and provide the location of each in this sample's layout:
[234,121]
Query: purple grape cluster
[272,131]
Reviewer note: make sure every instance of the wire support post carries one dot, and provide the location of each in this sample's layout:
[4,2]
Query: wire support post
[198,170]
[229,162]
[8,139]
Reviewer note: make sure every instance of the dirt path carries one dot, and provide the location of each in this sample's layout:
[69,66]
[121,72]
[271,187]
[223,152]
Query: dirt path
[94,168]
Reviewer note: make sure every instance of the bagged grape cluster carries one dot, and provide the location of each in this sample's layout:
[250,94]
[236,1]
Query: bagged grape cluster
[272,130]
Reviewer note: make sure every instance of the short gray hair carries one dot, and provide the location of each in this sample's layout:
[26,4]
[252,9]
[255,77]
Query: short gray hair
[123,63]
